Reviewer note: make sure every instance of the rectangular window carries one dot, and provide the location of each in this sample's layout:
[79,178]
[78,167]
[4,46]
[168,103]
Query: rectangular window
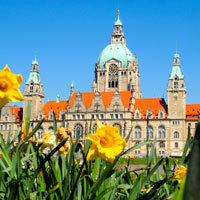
[78,116]
[116,116]
[97,116]
[74,116]
[92,116]
[101,116]
[10,127]
[83,116]
[121,116]
[111,116]
[196,116]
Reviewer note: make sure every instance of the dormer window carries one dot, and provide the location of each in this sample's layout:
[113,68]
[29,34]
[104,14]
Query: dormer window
[78,108]
[116,107]
[137,114]
[96,107]
[149,114]
[161,113]
[51,115]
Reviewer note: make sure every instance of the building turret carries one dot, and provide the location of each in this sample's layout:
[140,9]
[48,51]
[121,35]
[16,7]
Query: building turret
[176,91]
[118,34]
[34,92]
[72,89]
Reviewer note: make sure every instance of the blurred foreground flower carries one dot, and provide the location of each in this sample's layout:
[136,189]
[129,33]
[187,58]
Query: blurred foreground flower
[130,156]
[62,134]
[180,173]
[9,86]
[106,143]
[48,139]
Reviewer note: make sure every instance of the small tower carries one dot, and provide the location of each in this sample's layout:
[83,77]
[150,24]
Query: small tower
[34,92]
[72,89]
[176,91]
[118,34]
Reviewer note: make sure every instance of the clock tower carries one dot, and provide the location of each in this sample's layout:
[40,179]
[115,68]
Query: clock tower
[117,68]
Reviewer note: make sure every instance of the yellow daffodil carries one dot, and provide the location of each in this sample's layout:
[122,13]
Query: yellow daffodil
[62,133]
[106,143]
[48,139]
[9,86]
[180,173]
[130,156]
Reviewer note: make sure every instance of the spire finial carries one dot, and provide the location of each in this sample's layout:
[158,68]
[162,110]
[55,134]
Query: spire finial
[118,12]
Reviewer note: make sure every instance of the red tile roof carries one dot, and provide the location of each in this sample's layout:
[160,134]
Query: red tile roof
[54,106]
[87,98]
[71,100]
[192,111]
[18,112]
[105,96]
[154,104]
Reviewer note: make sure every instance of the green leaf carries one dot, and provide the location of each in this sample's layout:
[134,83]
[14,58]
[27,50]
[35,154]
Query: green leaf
[128,136]
[186,147]
[193,175]
[178,194]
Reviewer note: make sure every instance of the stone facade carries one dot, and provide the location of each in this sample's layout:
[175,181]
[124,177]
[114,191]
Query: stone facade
[115,100]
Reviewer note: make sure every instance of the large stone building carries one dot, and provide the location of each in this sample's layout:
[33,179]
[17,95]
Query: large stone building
[115,100]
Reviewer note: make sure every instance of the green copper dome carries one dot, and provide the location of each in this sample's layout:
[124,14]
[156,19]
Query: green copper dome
[117,51]
[34,78]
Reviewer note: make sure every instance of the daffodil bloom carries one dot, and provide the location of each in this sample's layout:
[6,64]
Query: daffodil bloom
[130,156]
[62,133]
[106,143]
[48,139]
[180,173]
[9,86]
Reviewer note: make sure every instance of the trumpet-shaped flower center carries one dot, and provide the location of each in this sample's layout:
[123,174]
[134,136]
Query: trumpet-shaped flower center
[9,87]
[106,143]
[4,85]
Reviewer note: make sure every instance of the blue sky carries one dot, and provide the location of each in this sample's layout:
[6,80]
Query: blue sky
[68,36]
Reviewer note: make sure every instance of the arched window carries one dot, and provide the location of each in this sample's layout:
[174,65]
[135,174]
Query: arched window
[78,108]
[161,132]
[78,130]
[137,114]
[96,107]
[161,144]
[149,114]
[120,127]
[161,113]
[176,134]
[150,132]
[51,115]
[116,107]
[39,132]
[137,132]
[176,144]
[94,128]
[175,84]
[50,128]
